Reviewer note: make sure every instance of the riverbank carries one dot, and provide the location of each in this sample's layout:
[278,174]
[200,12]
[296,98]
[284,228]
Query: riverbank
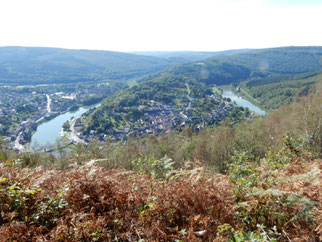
[235,94]
[72,134]
[49,132]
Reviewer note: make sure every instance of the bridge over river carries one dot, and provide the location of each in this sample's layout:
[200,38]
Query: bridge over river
[52,148]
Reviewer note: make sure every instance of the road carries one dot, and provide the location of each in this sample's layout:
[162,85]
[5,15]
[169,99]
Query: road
[19,146]
[188,96]
[48,103]
[73,134]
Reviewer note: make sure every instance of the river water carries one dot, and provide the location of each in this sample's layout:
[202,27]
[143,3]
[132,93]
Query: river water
[47,133]
[228,93]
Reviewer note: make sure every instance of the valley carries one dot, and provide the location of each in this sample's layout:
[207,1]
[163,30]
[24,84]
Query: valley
[173,99]
[185,148]
[166,121]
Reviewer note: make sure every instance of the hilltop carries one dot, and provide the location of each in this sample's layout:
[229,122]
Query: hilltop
[166,103]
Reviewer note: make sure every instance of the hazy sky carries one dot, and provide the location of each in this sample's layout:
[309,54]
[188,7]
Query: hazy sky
[129,25]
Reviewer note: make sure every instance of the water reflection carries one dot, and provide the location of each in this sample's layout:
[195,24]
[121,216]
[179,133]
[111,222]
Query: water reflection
[47,133]
[242,102]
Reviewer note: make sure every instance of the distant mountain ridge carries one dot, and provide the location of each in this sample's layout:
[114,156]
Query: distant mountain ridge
[234,68]
[188,56]
[37,65]
[42,65]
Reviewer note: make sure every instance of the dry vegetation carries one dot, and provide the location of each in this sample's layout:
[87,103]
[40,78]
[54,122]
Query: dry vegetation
[91,203]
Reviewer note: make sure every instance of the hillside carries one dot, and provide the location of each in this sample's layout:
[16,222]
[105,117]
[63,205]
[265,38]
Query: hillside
[169,188]
[165,103]
[132,113]
[39,65]
[273,92]
[272,76]
[230,69]
[95,204]
[282,60]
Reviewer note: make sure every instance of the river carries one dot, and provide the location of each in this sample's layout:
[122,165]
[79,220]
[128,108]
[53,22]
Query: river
[47,133]
[228,93]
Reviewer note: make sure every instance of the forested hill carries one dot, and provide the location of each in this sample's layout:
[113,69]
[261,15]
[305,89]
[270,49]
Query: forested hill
[38,65]
[165,103]
[188,56]
[229,69]
[273,92]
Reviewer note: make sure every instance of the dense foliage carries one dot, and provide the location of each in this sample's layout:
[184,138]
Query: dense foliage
[213,72]
[283,60]
[275,91]
[230,69]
